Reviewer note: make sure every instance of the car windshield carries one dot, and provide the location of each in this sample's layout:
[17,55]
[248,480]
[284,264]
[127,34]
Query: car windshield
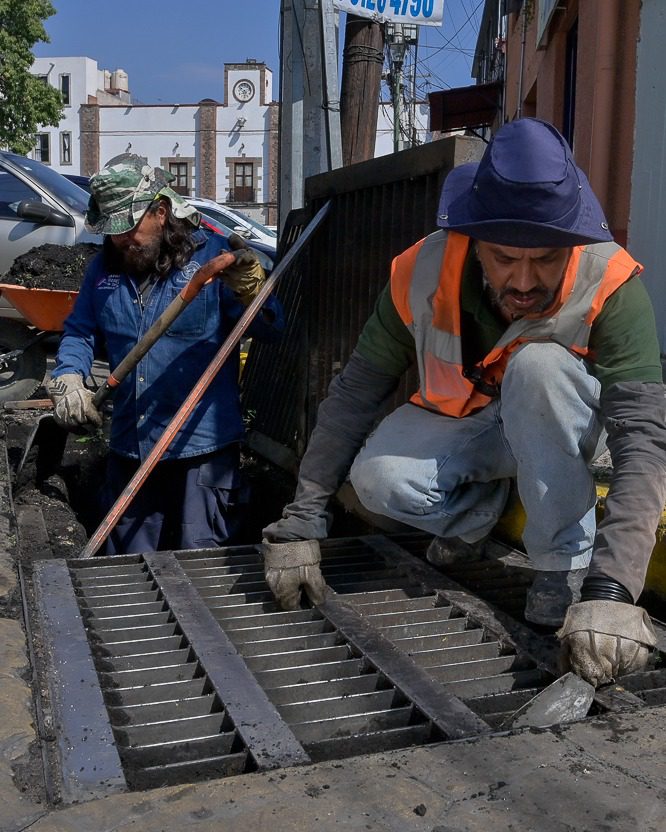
[67,191]
[257,225]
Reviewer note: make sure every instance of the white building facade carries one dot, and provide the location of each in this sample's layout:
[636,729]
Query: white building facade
[80,82]
[227,151]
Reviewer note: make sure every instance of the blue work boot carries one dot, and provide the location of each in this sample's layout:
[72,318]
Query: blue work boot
[447,551]
[551,595]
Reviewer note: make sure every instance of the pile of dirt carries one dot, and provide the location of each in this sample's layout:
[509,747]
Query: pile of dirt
[52,267]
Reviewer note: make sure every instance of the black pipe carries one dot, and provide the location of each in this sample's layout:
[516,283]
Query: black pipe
[603,588]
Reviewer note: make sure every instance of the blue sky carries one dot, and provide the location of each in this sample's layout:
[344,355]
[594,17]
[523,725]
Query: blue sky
[174,51]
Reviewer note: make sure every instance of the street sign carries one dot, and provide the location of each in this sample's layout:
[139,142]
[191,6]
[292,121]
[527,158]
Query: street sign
[420,12]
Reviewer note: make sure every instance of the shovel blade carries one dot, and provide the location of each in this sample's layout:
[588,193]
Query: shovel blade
[49,439]
[567,699]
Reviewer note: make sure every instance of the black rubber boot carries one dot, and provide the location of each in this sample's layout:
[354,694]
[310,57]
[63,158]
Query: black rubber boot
[551,594]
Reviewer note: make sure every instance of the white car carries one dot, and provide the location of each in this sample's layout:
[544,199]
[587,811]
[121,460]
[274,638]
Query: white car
[243,225]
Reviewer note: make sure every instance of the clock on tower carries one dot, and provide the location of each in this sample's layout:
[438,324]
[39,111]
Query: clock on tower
[243,90]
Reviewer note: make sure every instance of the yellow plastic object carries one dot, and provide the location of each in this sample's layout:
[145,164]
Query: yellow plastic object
[512,522]
[44,308]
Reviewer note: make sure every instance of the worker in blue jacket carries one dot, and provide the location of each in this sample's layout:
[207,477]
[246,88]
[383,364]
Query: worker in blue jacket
[153,245]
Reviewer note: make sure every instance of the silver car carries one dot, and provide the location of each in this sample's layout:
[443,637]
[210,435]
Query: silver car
[37,206]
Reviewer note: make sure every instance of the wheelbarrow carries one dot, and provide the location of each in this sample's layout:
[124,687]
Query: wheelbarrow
[22,348]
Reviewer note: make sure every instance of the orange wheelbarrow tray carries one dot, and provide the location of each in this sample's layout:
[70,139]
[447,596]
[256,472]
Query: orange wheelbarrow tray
[45,309]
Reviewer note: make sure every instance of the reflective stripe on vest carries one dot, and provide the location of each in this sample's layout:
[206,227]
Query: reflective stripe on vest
[426,286]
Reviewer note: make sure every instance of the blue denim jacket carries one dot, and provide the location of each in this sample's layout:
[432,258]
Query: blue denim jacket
[108,311]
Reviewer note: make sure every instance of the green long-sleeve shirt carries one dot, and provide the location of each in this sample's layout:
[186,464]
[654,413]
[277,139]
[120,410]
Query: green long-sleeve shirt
[623,341]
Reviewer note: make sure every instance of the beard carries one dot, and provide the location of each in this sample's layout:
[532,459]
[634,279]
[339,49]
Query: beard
[543,299]
[133,259]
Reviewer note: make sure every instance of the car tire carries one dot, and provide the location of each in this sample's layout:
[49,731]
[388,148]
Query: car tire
[24,375]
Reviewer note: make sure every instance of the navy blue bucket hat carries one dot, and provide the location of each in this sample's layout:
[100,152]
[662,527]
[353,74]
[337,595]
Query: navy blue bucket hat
[526,191]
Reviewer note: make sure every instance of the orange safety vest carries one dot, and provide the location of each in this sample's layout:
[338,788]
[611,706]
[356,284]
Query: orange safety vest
[426,282]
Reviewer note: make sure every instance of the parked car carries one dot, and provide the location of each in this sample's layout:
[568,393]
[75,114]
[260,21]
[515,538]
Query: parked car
[252,230]
[81,181]
[38,205]
[265,254]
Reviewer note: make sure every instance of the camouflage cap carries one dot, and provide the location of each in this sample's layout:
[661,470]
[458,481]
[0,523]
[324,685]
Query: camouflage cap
[123,190]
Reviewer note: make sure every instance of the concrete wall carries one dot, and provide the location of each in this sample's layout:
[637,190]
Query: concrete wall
[648,200]
[605,88]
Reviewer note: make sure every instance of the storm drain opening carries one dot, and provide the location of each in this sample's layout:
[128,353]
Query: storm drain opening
[167,719]
[173,667]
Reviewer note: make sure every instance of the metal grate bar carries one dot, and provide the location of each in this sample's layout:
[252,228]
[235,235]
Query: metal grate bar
[208,725]
[101,590]
[238,608]
[250,634]
[416,626]
[303,692]
[316,642]
[270,679]
[450,715]
[417,644]
[166,775]
[396,606]
[138,661]
[164,711]
[150,676]
[164,753]
[475,669]
[160,692]
[114,635]
[340,707]
[275,661]
[372,743]
[102,613]
[347,726]
[101,602]
[456,655]
[132,621]
[169,644]
[267,737]
[490,685]
[88,761]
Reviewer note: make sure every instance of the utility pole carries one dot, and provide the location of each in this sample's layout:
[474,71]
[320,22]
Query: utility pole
[399,37]
[309,132]
[363,60]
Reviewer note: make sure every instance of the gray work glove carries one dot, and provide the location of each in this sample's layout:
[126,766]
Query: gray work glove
[604,639]
[290,566]
[245,277]
[73,402]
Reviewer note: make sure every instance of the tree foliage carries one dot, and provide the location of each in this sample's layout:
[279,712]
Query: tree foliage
[25,101]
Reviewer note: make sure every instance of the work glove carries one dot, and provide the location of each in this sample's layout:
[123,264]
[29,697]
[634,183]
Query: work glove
[604,639]
[245,277]
[290,566]
[73,402]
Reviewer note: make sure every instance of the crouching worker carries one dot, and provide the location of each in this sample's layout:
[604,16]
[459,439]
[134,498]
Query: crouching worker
[534,338]
[152,247]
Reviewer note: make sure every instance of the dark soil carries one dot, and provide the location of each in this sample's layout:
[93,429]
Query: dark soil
[66,499]
[52,267]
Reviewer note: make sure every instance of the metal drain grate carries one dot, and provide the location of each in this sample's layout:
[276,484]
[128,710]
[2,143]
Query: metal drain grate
[306,668]
[183,667]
